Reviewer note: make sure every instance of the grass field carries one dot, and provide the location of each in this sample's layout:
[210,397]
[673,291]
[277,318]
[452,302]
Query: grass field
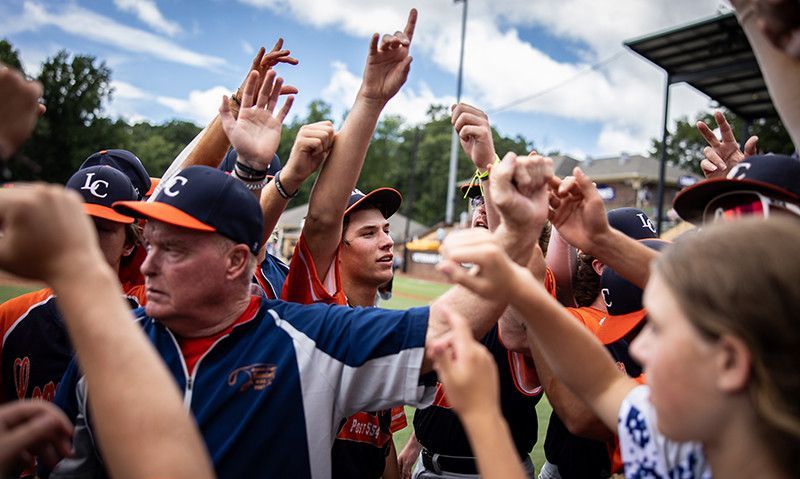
[408,292]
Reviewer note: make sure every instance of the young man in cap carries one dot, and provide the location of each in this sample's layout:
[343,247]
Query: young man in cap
[35,350]
[344,254]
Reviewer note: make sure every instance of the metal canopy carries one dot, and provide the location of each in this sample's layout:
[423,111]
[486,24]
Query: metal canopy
[714,57]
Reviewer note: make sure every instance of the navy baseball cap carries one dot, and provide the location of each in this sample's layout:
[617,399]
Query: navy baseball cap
[101,187]
[633,222]
[126,162]
[205,199]
[776,176]
[387,200]
[230,161]
[623,301]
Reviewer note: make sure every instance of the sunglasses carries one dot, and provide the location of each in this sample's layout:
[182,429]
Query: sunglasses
[737,204]
[477,201]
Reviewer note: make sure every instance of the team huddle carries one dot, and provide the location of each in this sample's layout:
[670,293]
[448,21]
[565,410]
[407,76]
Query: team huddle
[659,358]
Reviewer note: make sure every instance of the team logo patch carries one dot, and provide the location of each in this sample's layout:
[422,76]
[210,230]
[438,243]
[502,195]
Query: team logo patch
[22,374]
[94,187]
[173,186]
[258,376]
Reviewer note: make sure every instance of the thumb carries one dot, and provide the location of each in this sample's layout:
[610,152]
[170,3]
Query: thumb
[458,275]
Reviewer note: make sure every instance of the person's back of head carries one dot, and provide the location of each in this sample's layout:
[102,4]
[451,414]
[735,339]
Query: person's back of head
[743,279]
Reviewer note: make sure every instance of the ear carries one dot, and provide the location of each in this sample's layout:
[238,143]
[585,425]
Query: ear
[237,261]
[598,266]
[734,364]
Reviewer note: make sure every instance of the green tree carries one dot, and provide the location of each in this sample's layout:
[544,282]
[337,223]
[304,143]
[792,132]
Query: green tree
[685,143]
[9,55]
[75,88]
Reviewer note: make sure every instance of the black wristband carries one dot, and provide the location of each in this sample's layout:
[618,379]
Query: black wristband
[249,170]
[281,189]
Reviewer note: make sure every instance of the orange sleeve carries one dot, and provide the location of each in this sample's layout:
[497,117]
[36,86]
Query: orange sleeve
[13,311]
[303,284]
[399,420]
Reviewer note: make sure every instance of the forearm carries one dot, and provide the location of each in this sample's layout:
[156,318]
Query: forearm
[273,204]
[781,74]
[574,355]
[490,439]
[628,257]
[116,359]
[211,148]
[391,470]
[561,259]
[574,413]
[336,180]
[341,170]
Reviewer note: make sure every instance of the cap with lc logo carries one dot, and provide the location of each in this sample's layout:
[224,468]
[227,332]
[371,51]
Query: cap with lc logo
[204,199]
[100,187]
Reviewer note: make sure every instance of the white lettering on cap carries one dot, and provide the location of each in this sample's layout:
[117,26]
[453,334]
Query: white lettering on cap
[646,223]
[92,186]
[606,294]
[169,191]
[735,171]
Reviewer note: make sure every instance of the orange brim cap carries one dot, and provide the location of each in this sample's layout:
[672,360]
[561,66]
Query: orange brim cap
[161,212]
[615,328]
[100,211]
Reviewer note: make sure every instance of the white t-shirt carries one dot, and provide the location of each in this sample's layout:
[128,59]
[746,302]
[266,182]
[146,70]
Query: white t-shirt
[646,453]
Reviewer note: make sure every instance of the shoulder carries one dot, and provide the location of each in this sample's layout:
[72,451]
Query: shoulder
[645,451]
[17,308]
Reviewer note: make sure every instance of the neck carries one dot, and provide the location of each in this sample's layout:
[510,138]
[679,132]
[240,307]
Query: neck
[359,294]
[599,303]
[738,450]
[214,318]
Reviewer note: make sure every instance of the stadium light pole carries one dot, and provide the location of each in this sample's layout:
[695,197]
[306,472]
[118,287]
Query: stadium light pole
[451,177]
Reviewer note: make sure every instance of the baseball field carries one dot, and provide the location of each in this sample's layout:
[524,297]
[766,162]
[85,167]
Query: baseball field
[408,292]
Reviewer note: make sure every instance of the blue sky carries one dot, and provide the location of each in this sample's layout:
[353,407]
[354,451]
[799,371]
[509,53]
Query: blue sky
[175,58]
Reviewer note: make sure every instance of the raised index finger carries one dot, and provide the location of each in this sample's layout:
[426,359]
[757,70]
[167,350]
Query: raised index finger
[724,127]
[411,24]
[709,135]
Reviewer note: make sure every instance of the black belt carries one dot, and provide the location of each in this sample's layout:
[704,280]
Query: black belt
[439,463]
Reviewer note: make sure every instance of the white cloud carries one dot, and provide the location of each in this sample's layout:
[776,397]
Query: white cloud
[248,47]
[126,90]
[93,26]
[147,11]
[200,106]
[624,97]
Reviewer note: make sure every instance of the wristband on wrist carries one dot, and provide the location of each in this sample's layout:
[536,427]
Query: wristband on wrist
[281,190]
[236,99]
[478,177]
[251,184]
[249,173]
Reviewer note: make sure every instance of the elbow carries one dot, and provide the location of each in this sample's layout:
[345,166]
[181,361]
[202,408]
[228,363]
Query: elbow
[321,221]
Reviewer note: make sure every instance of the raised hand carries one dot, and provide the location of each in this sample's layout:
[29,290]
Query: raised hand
[312,145]
[388,64]
[578,212]
[19,109]
[262,63]
[519,188]
[492,267]
[44,233]
[30,429]
[722,154]
[475,133]
[465,368]
[256,133]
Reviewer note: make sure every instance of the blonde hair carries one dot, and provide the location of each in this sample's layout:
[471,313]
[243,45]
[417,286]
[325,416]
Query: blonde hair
[743,279]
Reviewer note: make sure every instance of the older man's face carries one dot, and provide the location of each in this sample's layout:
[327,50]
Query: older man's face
[478,207]
[184,273]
